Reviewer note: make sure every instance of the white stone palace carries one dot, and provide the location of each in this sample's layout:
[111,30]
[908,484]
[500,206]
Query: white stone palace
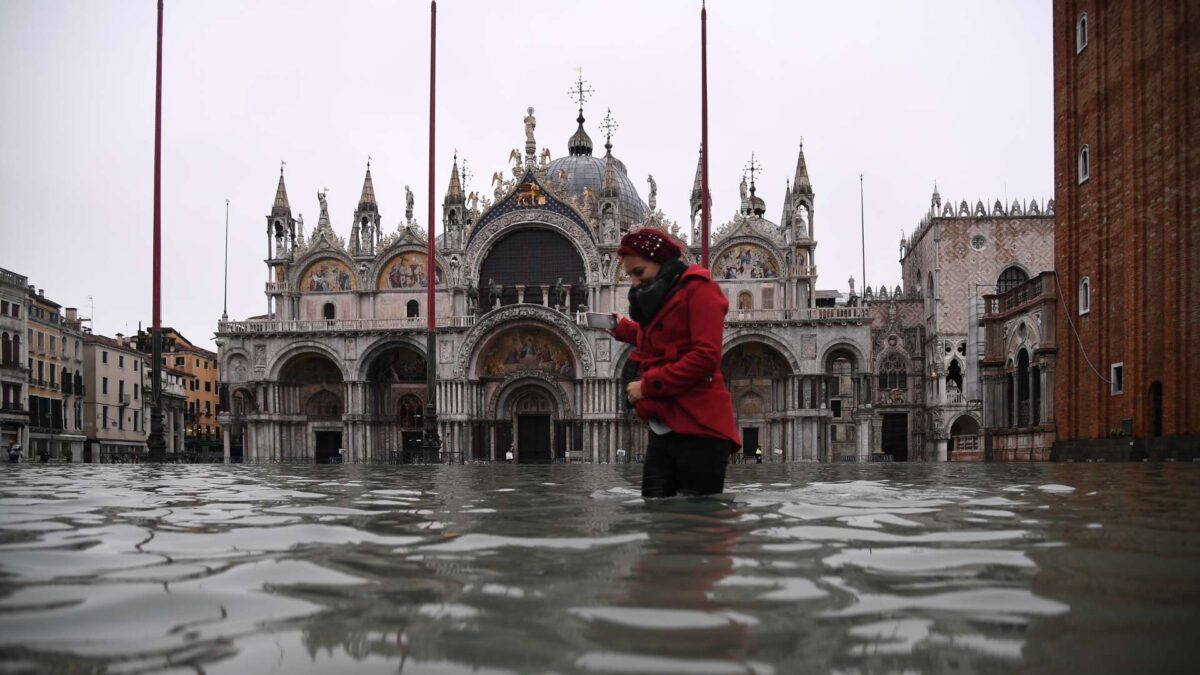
[337,367]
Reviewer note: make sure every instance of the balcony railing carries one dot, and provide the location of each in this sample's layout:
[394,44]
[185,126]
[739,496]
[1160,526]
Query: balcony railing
[126,399]
[332,325]
[15,407]
[814,314]
[1027,292]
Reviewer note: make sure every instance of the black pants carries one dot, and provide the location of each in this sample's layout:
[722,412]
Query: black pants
[688,465]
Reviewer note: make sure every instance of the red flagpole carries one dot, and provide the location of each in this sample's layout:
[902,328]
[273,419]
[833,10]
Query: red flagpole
[157,176]
[432,444]
[703,135]
[155,443]
[431,268]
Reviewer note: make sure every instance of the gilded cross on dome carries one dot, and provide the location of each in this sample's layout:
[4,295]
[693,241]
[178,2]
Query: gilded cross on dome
[752,168]
[608,126]
[581,91]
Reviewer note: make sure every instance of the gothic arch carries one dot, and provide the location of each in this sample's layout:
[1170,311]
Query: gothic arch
[517,382]
[511,315]
[275,365]
[485,239]
[888,353]
[1014,341]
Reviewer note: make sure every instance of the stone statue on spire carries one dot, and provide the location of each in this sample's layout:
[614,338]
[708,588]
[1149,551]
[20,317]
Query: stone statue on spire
[530,125]
[408,204]
[653,192]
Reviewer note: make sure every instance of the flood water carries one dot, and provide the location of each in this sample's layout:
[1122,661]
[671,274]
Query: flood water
[883,568]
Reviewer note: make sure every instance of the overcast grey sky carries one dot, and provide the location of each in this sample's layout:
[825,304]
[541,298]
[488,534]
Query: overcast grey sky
[903,92]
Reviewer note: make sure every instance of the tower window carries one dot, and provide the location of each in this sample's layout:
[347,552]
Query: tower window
[1081,33]
[1117,372]
[1085,295]
[1085,164]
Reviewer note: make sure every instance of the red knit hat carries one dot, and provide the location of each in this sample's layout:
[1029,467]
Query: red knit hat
[650,244]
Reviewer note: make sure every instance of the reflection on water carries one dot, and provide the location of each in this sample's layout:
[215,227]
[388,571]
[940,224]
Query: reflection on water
[517,569]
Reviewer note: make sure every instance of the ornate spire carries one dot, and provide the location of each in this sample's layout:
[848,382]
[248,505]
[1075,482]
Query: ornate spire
[801,183]
[366,203]
[281,206]
[609,188]
[455,192]
[580,143]
[698,184]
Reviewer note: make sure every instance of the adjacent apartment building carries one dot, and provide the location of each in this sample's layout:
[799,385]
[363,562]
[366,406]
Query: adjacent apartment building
[55,362]
[14,415]
[1127,248]
[113,410]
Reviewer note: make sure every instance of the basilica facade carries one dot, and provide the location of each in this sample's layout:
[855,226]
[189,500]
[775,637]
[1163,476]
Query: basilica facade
[336,370]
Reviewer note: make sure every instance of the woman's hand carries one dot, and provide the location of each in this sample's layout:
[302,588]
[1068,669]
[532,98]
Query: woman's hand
[616,322]
[633,391]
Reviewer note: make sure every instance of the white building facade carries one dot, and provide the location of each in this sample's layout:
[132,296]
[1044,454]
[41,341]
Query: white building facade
[336,370]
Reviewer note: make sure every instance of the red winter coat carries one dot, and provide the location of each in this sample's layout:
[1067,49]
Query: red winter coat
[680,357]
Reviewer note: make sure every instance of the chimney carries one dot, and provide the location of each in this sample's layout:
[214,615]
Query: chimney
[72,314]
[41,292]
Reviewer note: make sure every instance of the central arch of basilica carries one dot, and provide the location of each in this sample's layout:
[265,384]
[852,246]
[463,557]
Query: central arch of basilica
[336,371]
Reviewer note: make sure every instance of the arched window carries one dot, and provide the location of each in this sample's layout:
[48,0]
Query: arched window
[1085,295]
[5,349]
[1010,278]
[745,301]
[1081,33]
[324,405]
[1023,393]
[509,264]
[65,380]
[409,409]
[414,309]
[930,302]
[15,350]
[1085,163]
[892,374]
[330,311]
[954,379]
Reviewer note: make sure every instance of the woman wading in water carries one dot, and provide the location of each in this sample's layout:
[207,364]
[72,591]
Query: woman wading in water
[676,322]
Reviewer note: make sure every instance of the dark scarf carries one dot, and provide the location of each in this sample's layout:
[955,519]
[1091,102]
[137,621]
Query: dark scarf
[645,301]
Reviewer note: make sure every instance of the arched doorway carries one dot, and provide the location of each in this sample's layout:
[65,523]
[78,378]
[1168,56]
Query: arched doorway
[312,388]
[533,411]
[524,371]
[513,268]
[842,396]
[757,377]
[395,403]
[964,440]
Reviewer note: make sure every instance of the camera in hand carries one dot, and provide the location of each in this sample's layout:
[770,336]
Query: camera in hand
[599,320]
